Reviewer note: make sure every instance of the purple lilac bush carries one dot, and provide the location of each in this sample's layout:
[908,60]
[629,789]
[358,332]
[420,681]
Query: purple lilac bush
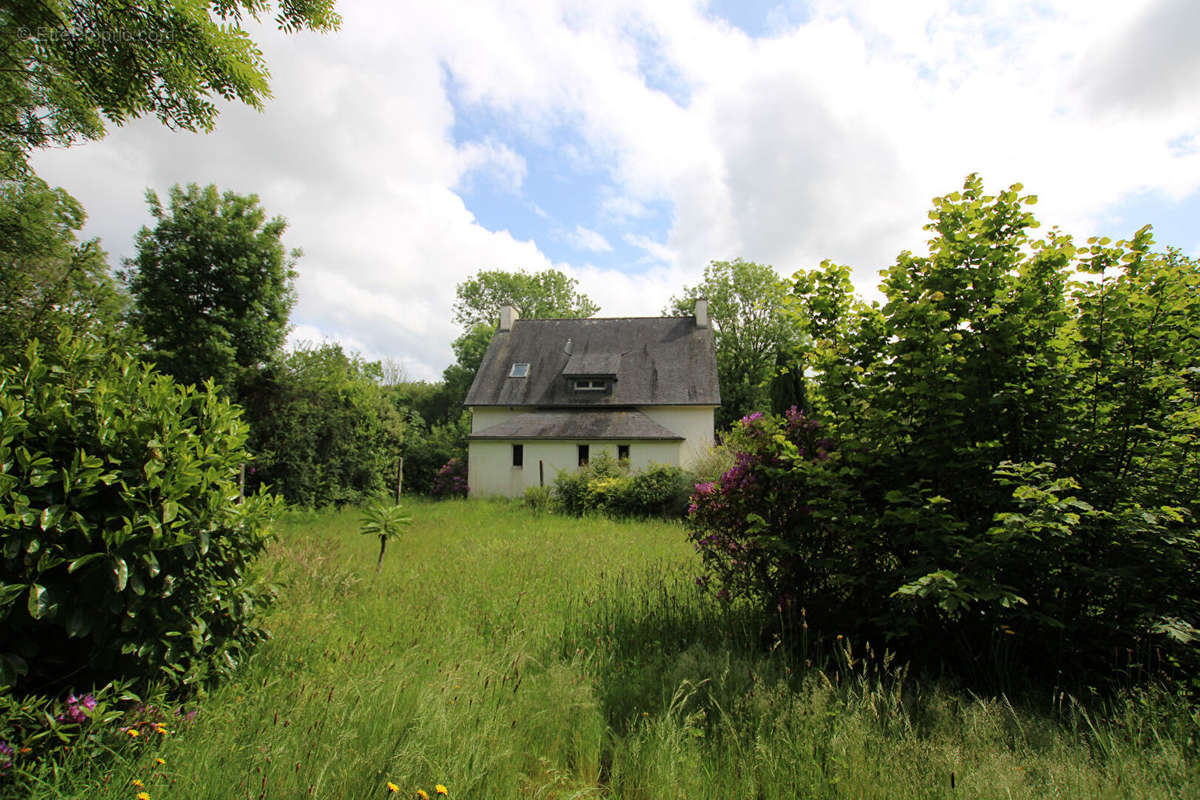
[756,526]
[451,480]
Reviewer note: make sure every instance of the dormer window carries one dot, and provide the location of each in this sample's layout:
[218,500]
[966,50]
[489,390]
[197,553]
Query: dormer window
[590,384]
[519,371]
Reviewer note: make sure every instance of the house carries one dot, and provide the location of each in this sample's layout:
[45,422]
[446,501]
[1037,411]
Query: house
[553,393]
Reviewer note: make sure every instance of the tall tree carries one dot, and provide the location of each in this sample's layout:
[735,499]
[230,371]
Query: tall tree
[548,293]
[69,65]
[212,284]
[754,335]
[48,278]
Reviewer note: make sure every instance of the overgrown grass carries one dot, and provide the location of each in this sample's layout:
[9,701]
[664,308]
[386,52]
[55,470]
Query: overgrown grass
[508,655]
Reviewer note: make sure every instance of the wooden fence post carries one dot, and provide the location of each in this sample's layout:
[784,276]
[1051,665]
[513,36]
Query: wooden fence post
[399,479]
[541,473]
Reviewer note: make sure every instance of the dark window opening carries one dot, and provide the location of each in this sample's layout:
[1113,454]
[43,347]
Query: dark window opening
[622,452]
[518,455]
[583,455]
[591,385]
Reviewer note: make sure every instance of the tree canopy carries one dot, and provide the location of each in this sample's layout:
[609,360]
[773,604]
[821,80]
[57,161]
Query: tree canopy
[69,66]
[548,293]
[755,336]
[1001,458]
[48,278]
[211,284]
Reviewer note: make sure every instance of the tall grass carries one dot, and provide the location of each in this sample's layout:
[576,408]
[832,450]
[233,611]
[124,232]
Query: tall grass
[511,656]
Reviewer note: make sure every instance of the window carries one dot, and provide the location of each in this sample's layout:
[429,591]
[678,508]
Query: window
[622,452]
[583,455]
[518,455]
[519,371]
[590,385]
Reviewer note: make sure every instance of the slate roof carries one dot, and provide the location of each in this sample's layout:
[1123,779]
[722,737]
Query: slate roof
[656,361]
[579,424]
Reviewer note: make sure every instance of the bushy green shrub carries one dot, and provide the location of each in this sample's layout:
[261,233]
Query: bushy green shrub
[451,480]
[323,432]
[1011,460]
[605,486]
[125,551]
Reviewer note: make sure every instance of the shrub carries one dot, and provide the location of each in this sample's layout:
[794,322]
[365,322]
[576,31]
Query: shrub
[451,480]
[1012,467]
[605,486]
[125,552]
[538,499]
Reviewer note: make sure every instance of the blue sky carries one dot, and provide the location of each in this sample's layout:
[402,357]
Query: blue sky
[629,143]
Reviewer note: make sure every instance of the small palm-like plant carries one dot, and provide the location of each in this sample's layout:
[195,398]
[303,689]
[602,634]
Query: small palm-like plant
[383,519]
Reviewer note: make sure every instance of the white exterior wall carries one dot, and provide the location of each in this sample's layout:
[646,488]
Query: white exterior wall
[694,423]
[489,463]
[490,470]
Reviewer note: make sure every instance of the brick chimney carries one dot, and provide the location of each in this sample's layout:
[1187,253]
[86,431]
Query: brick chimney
[701,313]
[508,315]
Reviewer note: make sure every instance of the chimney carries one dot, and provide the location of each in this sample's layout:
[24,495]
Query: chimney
[569,347]
[701,313]
[508,315]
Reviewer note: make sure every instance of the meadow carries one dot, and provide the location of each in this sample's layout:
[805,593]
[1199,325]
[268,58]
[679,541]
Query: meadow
[502,654]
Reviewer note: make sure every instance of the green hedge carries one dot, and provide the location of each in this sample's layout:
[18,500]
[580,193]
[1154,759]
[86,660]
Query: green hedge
[606,486]
[124,552]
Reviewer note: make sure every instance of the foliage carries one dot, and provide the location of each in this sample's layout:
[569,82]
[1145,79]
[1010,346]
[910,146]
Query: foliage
[125,555]
[451,480]
[211,284]
[1012,455]
[383,519]
[540,295]
[606,486]
[756,339]
[322,429]
[48,279]
[428,449]
[538,499]
[72,65]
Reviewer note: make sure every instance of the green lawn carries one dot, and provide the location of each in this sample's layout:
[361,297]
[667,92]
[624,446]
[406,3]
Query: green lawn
[511,656]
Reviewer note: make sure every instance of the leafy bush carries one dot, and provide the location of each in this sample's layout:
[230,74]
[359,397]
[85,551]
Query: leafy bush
[451,480]
[604,486]
[125,552]
[321,429]
[1011,460]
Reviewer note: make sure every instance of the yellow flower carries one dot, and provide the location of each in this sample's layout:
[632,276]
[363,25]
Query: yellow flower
[134,732]
[143,796]
[393,788]
[159,761]
[439,789]
[421,794]
[137,783]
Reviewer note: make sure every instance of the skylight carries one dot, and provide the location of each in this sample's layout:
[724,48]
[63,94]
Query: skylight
[519,371]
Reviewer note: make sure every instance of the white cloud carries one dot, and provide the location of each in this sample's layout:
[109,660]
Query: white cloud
[827,139]
[587,239]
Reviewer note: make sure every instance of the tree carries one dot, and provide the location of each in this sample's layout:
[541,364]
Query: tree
[544,294]
[48,278]
[756,339]
[322,429]
[212,284]
[1000,459]
[69,66]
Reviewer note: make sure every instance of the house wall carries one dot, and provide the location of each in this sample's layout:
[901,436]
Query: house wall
[490,470]
[694,423]
[489,463]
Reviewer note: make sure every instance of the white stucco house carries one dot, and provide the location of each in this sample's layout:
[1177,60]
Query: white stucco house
[553,393]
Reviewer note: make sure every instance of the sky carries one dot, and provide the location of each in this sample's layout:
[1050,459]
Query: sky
[628,144]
